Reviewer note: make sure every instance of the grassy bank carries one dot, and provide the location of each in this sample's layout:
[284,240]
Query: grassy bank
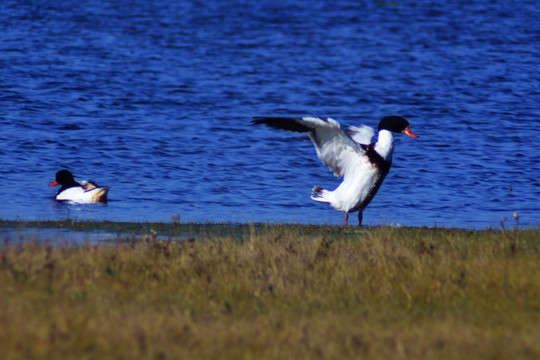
[275,292]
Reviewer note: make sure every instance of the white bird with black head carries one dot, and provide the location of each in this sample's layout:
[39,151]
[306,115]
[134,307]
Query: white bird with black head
[362,159]
[75,192]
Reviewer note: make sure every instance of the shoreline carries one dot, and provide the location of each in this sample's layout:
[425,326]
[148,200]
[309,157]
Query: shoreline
[171,225]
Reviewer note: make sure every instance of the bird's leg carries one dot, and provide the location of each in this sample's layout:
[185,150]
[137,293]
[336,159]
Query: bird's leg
[346,219]
[360,218]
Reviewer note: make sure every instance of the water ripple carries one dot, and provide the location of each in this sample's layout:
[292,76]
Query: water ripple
[155,99]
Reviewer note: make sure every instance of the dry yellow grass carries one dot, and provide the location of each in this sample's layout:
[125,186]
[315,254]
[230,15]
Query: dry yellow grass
[277,292]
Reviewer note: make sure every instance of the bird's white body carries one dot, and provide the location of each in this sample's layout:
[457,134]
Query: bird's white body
[343,153]
[80,195]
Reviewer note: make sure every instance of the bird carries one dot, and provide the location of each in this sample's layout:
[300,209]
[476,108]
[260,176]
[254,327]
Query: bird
[83,192]
[356,154]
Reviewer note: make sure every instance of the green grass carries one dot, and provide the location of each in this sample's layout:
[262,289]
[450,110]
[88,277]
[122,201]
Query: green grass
[273,292]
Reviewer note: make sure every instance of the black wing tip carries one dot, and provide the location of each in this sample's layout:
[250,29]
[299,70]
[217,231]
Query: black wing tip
[257,120]
[265,119]
[283,123]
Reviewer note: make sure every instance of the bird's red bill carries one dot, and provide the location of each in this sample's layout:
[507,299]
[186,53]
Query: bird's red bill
[54,183]
[408,131]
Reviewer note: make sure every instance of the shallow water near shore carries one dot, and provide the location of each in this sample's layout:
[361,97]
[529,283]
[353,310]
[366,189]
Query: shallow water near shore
[155,100]
[55,236]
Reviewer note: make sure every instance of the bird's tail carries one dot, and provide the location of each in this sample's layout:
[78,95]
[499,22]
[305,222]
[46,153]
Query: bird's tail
[100,194]
[320,194]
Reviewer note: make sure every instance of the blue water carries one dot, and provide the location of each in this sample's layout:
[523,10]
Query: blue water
[154,99]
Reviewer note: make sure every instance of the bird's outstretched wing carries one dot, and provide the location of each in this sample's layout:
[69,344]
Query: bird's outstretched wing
[336,149]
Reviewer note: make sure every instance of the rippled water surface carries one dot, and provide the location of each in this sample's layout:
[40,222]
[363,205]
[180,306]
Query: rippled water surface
[154,99]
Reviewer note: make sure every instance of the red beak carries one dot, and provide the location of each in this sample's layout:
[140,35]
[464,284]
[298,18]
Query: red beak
[408,131]
[54,183]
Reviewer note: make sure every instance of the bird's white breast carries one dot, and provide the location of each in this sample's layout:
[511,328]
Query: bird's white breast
[385,145]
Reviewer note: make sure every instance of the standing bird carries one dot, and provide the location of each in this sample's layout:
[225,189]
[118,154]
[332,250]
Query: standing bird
[353,154]
[84,192]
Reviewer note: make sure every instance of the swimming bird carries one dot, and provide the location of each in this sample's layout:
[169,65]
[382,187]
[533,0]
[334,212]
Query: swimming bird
[353,154]
[84,192]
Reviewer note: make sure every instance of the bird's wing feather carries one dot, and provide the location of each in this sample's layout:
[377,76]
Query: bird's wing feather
[362,134]
[335,148]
